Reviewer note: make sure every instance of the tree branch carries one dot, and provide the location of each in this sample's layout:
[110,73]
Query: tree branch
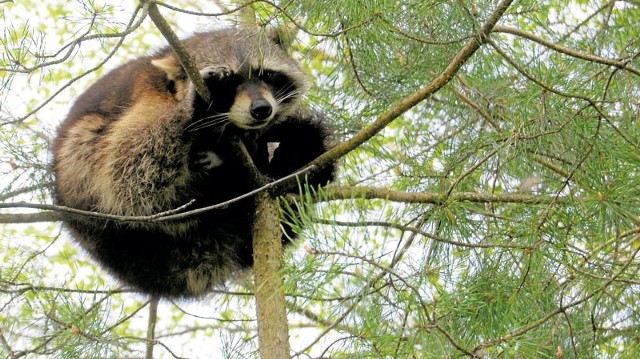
[51,212]
[337,193]
[517,332]
[151,326]
[405,105]
[185,59]
[624,65]
[273,328]
[46,216]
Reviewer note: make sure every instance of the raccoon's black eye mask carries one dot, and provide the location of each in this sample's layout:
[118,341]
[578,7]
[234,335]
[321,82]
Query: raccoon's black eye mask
[278,81]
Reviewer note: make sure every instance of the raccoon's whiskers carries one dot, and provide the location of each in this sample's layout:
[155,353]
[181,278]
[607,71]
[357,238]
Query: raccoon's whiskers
[198,122]
[282,96]
[208,121]
[285,91]
[210,105]
[208,124]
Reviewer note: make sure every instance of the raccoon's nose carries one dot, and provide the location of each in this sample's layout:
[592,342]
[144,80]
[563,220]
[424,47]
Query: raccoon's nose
[261,110]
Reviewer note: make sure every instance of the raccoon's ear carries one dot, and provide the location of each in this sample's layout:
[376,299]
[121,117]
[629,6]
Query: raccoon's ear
[171,66]
[283,35]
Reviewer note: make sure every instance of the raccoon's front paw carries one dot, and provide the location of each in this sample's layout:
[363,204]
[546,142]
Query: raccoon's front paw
[206,160]
[214,77]
[215,72]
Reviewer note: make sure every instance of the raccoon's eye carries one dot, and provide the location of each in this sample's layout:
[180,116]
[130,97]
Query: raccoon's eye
[267,74]
[279,82]
[171,86]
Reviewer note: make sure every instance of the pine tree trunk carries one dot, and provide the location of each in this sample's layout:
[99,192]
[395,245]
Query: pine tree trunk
[273,329]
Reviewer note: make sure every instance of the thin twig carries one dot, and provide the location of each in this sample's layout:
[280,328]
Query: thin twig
[5,344]
[561,309]
[17,192]
[417,230]
[132,25]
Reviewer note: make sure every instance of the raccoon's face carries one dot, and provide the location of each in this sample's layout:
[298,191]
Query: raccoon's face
[260,96]
[251,80]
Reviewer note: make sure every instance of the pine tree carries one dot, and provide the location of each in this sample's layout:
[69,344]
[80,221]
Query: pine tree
[486,204]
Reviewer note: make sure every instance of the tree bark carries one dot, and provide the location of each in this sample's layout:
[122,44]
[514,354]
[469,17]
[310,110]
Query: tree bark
[273,329]
[151,326]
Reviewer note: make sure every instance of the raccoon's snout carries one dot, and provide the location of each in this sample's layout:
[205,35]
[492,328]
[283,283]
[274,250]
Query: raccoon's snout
[253,107]
[261,110]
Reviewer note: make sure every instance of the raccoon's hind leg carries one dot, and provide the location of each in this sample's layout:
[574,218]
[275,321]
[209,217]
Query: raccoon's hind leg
[294,143]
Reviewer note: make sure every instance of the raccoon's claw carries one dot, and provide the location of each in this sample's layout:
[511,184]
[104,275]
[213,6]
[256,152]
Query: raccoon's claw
[207,160]
[215,72]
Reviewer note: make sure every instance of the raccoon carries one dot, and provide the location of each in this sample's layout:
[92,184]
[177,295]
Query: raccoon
[140,141]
